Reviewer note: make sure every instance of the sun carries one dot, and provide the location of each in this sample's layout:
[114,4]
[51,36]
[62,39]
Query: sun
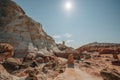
[68,5]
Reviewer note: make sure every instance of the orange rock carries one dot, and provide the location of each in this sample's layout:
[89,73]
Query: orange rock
[71,58]
[47,59]
[6,50]
[115,56]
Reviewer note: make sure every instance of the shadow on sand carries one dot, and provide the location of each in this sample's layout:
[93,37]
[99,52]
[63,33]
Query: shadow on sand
[70,65]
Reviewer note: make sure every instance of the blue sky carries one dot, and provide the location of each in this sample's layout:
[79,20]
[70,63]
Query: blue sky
[85,22]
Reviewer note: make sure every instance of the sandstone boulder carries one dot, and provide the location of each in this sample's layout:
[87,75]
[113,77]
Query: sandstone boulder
[30,56]
[47,59]
[12,64]
[39,59]
[115,56]
[6,50]
[44,53]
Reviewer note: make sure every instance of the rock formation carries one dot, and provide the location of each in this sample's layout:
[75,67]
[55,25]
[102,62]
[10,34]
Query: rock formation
[110,74]
[70,59]
[65,51]
[12,64]
[4,75]
[102,48]
[21,31]
[6,50]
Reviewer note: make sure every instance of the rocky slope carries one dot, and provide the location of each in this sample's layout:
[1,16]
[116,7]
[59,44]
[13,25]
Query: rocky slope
[100,47]
[21,31]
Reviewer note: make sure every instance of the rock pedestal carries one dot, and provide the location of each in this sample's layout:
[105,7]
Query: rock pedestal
[70,61]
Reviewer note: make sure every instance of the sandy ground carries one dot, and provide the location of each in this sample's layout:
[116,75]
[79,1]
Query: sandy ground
[75,74]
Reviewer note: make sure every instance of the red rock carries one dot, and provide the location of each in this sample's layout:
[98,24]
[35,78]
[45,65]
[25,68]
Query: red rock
[115,56]
[70,59]
[103,48]
[47,59]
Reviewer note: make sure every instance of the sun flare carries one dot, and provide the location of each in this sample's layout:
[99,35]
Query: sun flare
[68,5]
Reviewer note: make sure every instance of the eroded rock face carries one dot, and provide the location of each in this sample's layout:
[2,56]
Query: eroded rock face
[110,74]
[20,30]
[102,48]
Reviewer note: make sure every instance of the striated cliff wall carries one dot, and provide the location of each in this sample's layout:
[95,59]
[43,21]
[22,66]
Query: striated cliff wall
[20,30]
